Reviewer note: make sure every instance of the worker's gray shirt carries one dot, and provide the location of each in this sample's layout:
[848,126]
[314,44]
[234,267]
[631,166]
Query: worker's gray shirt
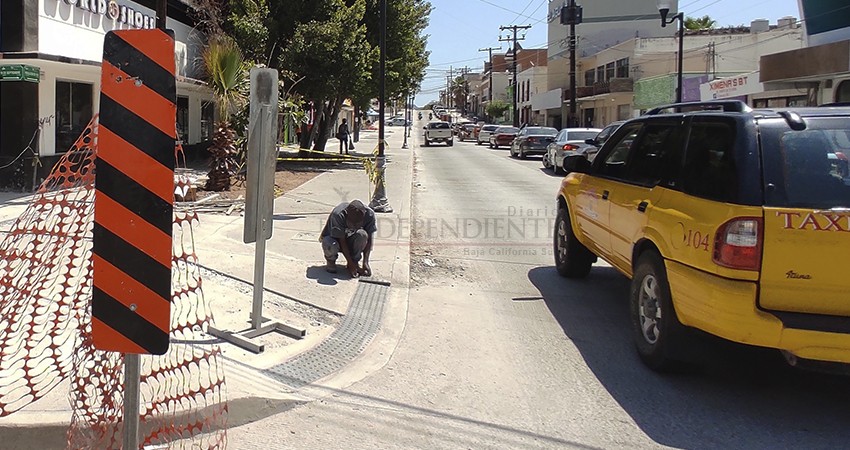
[336,227]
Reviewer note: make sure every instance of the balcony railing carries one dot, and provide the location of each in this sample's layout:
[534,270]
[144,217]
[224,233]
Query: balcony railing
[614,85]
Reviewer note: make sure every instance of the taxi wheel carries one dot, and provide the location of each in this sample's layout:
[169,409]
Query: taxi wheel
[658,333]
[572,258]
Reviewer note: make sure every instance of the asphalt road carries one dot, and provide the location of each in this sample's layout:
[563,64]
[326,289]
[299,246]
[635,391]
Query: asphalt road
[500,352]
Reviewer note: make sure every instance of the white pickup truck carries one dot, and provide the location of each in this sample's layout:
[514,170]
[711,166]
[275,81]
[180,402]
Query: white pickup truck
[438,132]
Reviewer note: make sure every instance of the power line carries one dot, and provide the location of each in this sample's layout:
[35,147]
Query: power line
[505,9]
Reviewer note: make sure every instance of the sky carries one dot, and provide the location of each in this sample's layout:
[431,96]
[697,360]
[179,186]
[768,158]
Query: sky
[459,28]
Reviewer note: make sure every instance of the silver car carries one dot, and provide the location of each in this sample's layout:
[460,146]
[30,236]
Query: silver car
[569,142]
[484,134]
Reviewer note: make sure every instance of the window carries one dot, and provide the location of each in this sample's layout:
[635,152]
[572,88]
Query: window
[656,155]
[207,120]
[183,119]
[842,94]
[623,68]
[600,74]
[562,136]
[807,168]
[609,71]
[710,171]
[589,77]
[614,162]
[73,112]
[623,112]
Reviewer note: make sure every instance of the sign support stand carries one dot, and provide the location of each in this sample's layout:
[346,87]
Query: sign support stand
[132,379]
[259,204]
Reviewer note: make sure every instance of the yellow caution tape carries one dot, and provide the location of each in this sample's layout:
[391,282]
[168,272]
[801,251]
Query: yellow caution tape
[369,163]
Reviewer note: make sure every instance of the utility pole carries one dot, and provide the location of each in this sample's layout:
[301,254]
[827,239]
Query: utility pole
[514,39]
[449,88]
[161,13]
[489,50]
[571,15]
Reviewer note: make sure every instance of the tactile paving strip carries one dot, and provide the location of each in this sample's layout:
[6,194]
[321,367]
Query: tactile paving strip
[355,331]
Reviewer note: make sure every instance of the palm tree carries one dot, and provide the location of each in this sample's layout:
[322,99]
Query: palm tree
[460,89]
[700,23]
[227,77]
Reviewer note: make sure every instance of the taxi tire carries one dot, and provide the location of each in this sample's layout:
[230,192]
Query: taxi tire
[578,259]
[665,354]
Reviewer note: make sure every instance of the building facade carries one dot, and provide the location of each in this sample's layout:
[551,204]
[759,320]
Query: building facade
[626,79]
[821,68]
[59,44]
[605,23]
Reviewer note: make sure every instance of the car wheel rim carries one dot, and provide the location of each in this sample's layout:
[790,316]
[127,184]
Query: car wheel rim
[562,241]
[649,309]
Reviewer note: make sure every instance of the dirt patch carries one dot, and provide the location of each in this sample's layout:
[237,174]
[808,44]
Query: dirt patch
[285,180]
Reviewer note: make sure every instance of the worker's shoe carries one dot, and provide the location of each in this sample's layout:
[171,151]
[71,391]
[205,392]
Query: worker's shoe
[331,265]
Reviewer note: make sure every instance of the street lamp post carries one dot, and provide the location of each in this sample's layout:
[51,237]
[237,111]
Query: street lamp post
[379,201]
[406,118]
[664,8]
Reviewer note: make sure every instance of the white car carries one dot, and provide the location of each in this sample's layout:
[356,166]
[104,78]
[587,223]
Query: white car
[484,134]
[397,121]
[569,142]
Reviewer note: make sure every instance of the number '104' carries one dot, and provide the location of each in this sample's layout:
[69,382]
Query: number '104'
[696,239]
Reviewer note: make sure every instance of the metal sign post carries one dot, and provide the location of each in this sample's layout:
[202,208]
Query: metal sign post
[259,202]
[132,379]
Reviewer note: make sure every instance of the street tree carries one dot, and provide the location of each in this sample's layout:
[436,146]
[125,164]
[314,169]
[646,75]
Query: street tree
[333,56]
[497,108]
[460,90]
[700,23]
[326,43]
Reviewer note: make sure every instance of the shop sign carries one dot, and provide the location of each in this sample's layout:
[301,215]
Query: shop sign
[739,85]
[20,72]
[115,12]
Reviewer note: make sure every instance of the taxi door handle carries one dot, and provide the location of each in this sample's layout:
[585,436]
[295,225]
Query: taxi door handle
[605,195]
[642,206]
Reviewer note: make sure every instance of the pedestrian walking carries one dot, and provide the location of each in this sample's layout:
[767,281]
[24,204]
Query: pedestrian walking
[342,134]
[349,231]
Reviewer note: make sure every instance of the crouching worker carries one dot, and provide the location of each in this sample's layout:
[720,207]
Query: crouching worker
[349,230]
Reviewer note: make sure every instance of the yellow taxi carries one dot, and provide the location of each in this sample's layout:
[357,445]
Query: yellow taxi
[728,220]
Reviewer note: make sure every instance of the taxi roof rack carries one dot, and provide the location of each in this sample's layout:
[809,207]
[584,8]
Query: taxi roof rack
[725,106]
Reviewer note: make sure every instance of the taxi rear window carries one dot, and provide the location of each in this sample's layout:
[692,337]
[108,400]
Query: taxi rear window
[807,168]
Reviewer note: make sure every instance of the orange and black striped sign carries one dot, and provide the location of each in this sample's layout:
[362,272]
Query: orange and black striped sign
[134,183]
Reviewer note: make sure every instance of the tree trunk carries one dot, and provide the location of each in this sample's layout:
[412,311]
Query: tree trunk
[314,129]
[306,138]
[329,119]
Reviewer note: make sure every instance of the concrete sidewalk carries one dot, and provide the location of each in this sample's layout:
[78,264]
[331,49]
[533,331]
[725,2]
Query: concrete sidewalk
[299,291]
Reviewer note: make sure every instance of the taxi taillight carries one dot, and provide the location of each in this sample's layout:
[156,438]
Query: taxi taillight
[738,243]
[570,147]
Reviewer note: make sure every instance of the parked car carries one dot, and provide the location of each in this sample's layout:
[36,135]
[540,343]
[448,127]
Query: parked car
[532,141]
[503,136]
[438,132]
[398,121]
[729,221]
[570,141]
[465,131]
[600,139]
[484,133]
